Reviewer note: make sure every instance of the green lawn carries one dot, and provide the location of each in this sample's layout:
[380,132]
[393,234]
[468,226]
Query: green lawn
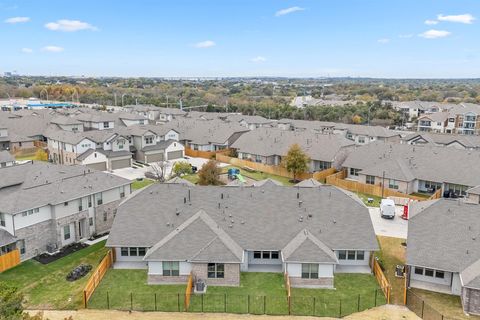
[364,197]
[141,184]
[258,293]
[352,293]
[45,286]
[23,158]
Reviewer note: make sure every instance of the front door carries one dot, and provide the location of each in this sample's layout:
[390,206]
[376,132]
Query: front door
[81,229]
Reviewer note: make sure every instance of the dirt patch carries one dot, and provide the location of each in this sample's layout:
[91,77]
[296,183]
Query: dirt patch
[389,312]
[45,258]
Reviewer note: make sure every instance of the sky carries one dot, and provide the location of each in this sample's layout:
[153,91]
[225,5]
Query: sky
[222,38]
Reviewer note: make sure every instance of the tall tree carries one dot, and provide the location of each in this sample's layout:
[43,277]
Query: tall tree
[296,161]
[209,174]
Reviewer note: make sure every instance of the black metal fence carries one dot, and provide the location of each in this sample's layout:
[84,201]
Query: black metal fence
[321,306]
[422,309]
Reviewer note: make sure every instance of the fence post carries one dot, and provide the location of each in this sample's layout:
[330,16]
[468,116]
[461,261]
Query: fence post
[85,299]
[131,301]
[178,302]
[108,301]
[313,306]
[340,314]
[423,307]
[248,304]
[264,304]
[225,303]
[155,295]
[358,303]
[202,301]
[376,290]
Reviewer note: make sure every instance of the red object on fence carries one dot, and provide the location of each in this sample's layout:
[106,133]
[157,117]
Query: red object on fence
[405,212]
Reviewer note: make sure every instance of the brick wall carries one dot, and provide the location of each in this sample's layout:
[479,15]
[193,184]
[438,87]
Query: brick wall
[297,282]
[37,237]
[471,301]
[232,274]
[110,208]
[69,219]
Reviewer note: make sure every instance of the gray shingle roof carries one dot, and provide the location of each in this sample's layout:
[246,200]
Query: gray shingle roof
[305,247]
[36,184]
[256,218]
[5,156]
[308,183]
[6,238]
[445,236]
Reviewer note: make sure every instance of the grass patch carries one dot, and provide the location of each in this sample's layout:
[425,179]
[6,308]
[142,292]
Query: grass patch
[391,254]
[258,175]
[447,304]
[421,195]
[364,197]
[352,293]
[45,286]
[141,184]
[193,178]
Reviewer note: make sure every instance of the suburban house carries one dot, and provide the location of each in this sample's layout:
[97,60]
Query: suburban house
[216,232]
[6,159]
[206,135]
[439,122]
[443,254]
[154,113]
[251,122]
[269,146]
[362,134]
[413,168]
[44,207]
[458,141]
[463,118]
[96,120]
[414,109]
[148,146]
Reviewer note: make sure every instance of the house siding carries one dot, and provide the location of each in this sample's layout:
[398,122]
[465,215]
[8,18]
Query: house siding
[232,274]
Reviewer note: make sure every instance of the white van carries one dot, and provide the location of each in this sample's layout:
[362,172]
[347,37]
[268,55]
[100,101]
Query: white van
[387,209]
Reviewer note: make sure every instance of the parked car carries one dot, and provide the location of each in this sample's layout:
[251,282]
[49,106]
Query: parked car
[194,169]
[387,209]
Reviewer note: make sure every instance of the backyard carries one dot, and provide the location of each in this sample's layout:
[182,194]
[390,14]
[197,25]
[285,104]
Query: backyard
[45,286]
[258,293]
[139,184]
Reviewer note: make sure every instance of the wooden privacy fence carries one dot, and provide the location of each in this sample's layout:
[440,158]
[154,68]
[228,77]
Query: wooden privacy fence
[275,170]
[9,260]
[188,291]
[97,276]
[382,280]
[288,287]
[204,154]
[436,195]
[338,179]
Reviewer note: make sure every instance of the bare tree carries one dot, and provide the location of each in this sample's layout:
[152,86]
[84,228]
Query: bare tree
[159,170]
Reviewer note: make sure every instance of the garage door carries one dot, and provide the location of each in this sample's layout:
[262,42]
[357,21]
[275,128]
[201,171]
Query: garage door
[154,157]
[175,155]
[100,166]
[118,164]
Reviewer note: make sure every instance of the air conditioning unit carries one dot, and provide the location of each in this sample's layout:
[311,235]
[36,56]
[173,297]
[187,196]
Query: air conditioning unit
[52,248]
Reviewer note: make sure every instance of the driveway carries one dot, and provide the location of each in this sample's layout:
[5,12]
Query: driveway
[397,227]
[132,173]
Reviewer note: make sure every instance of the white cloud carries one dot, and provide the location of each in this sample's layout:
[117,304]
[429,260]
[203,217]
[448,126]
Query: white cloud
[17,20]
[460,18]
[285,11]
[258,59]
[383,40]
[205,44]
[431,22]
[405,36]
[52,49]
[434,34]
[69,26]
[27,50]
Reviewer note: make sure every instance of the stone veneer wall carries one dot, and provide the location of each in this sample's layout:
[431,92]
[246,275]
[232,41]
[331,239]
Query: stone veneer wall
[160,279]
[232,274]
[69,219]
[471,301]
[37,237]
[110,208]
[298,282]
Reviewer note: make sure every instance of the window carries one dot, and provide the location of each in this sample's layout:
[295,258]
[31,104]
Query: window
[392,184]
[351,255]
[360,255]
[419,271]
[21,246]
[216,270]
[66,232]
[89,201]
[36,210]
[275,255]
[265,254]
[105,216]
[354,172]
[141,252]
[439,274]
[99,198]
[122,191]
[171,268]
[257,255]
[361,139]
[342,255]
[65,203]
[428,272]
[24,213]
[370,180]
[124,252]
[30,212]
[309,271]
[2,219]
[106,124]
[133,252]
[149,140]
[90,221]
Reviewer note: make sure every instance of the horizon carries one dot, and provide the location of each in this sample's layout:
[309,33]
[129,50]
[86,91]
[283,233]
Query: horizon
[428,40]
